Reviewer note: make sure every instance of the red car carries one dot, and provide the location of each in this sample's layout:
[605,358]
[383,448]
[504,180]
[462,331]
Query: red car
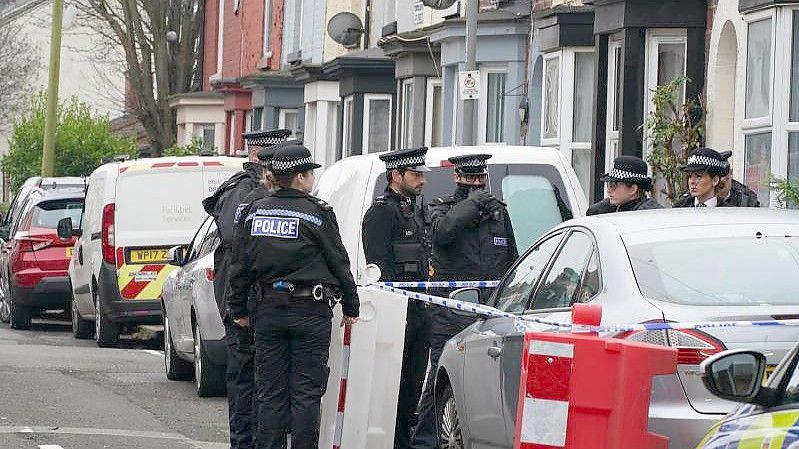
[34,259]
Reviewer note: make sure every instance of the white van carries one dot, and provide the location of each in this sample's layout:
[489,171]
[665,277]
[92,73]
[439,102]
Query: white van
[538,184]
[134,212]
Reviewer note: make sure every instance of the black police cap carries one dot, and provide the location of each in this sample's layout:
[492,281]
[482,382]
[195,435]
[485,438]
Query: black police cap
[471,164]
[706,160]
[629,169]
[266,154]
[292,159]
[412,159]
[265,138]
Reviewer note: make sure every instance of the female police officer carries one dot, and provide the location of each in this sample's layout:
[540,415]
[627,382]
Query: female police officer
[291,251]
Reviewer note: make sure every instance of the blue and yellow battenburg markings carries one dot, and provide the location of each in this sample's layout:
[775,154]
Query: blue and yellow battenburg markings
[775,430]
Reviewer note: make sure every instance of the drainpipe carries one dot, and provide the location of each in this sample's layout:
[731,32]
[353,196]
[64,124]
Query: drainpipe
[472,8]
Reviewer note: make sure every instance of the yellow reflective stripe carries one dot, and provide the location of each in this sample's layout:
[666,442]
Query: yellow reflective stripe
[153,290]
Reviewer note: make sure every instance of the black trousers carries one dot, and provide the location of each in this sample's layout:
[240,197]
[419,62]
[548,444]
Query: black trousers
[291,351]
[240,376]
[414,365]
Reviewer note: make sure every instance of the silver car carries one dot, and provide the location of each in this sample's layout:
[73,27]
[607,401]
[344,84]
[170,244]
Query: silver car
[194,345]
[672,265]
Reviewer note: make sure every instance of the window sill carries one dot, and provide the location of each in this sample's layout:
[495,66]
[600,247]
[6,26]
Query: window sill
[215,78]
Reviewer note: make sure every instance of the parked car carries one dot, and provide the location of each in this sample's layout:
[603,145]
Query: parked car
[194,343]
[538,185]
[645,266]
[135,211]
[34,259]
[12,216]
[767,415]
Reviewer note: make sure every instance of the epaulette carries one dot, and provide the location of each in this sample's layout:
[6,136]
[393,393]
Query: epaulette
[320,202]
[381,199]
[445,200]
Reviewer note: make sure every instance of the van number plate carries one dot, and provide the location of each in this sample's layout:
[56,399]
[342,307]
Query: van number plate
[152,255]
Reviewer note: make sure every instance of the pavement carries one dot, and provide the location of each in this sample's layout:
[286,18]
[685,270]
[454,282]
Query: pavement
[57,392]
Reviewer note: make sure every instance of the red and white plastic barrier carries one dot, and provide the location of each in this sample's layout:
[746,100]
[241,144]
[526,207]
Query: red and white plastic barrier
[342,390]
[580,391]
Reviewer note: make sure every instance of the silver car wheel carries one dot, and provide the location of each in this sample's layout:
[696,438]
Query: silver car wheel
[451,437]
[167,343]
[198,364]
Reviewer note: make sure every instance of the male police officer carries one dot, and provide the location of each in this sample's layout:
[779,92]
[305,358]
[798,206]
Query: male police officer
[292,252]
[733,192]
[394,239]
[224,205]
[472,239]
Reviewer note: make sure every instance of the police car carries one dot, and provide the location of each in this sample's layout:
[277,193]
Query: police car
[768,416]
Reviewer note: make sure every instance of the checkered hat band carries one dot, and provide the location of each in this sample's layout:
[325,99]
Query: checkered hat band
[471,163]
[265,141]
[410,161]
[623,174]
[288,165]
[705,160]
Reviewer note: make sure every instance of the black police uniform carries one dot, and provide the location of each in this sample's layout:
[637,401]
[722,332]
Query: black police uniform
[472,239]
[741,196]
[225,206]
[629,169]
[292,252]
[394,238]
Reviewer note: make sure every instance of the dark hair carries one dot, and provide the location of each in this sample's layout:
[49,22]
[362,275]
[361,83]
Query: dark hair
[388,173]
[281,181]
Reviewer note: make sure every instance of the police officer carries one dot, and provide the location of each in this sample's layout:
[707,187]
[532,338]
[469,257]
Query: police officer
[733,192]
[472,239]
[394,233]
[705,168]
[291,251]
[224,206]
[627,186]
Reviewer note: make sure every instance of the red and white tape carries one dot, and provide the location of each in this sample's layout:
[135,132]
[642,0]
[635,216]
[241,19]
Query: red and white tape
[546,403]
[342,391]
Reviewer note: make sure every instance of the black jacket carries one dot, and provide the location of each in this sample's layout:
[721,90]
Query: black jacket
[394,237]
[227,201]
[290,236]
[604,206]
[686,200]
[742,196]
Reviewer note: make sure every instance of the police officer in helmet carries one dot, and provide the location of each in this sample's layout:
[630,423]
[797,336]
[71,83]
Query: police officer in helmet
[394,233]
[225,205]
[472,239]
[292,252]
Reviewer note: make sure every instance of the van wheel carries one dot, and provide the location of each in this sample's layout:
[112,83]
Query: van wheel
[81,329]
[176,368]
[449,424]
[209,378]
[106,332]
[20,317]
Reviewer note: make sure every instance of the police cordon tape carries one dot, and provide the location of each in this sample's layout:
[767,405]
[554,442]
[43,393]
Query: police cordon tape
[524,322]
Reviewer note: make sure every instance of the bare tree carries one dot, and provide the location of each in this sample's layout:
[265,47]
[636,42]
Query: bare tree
[19,63]
[162,41]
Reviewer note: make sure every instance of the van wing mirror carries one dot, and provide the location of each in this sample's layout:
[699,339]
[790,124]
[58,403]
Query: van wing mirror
[65,230]
[735,375]
[175,256]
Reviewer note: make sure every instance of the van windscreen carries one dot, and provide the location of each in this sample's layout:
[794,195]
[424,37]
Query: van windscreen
[535,195]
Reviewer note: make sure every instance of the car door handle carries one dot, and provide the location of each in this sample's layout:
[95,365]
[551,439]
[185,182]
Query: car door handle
[494,351]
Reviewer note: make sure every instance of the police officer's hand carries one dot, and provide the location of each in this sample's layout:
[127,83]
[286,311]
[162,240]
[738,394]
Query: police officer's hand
[348,320]
[481,197]
[243,321]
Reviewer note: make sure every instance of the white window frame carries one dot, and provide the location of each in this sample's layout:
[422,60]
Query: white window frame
[483,106]
[557,55]
[281,118]
[346,147]
[428,113]
[654,38]
[220,37]
[612,135]
[267,44]
[404,126]
[248,121]
[770,14]
[232,137]
[457,105]
[367,98]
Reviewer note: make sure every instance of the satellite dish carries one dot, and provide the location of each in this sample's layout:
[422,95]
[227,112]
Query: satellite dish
[439,4]
[345,28]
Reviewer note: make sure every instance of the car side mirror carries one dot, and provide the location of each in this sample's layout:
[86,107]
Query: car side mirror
[735,375]
[65,230]
[175,256]
[470,295]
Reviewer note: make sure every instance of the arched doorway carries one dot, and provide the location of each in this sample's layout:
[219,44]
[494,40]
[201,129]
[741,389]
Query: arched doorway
[721,112]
